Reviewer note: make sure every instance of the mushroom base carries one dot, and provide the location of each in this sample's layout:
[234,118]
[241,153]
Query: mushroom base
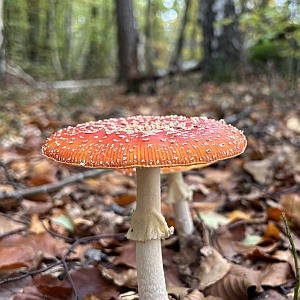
[150,275]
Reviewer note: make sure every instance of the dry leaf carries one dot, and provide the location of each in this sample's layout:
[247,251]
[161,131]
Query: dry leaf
[275,274]
[36,225]
[271,232]
[34,207]
[10,289]
[89,281]
[212,268]
[21,256]
[274,213]
[37,243]
[293,123]
[125,277]
[127,256]
[238,215]
[125,199]
[197,295]
[7,225]
[236,284]
[45,287]
[261,170]
[291,205]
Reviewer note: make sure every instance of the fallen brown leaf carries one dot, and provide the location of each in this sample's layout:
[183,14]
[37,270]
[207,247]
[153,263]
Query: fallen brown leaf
[236,284]
[275,274]
[17,257]
[291,205]
[212,268]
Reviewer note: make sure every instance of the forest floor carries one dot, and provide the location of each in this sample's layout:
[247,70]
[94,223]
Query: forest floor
[59,239]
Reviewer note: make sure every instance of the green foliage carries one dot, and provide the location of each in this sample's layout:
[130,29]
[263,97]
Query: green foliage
[272,33]
[268,50]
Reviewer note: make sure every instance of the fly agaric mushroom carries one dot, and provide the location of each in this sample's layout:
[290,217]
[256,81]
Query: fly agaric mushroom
[146,143]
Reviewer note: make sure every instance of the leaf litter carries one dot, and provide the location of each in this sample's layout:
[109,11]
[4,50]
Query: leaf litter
[69,241]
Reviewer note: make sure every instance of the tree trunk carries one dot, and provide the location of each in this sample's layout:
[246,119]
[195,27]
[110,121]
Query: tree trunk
[53,38]
[175,61]
[33,34]
[68,39]
[92,58]
[148,40]
[2,50]
[127,42]
[222,44]
[207,18]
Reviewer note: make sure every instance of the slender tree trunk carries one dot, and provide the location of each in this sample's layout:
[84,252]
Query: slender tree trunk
[175,61]
[34,28]
[91,65]
[127,41]
[207,18]
[222,44]
[148,41]
[194,47]
[68,39]
[53,39]
[2,49]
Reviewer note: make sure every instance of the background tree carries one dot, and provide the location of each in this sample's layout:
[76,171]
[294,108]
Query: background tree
[2,50]
[127,41]
[175,61]
[34,30]
[222,43]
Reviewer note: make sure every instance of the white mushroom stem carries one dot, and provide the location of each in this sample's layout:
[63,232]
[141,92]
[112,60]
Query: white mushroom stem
[179,194]
[148,226]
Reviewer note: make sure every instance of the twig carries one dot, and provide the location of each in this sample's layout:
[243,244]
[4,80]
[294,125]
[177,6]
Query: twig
[12,232]
[18,195]
[54,234]
[87,239]
[294,251]
[63,262]
[9,178]
[71,249]
[13,219]
[10,279]
[236,117]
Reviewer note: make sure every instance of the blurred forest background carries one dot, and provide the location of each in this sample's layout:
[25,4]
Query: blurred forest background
[143,40]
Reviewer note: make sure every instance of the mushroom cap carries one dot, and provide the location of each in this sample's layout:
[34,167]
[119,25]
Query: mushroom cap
[145,141]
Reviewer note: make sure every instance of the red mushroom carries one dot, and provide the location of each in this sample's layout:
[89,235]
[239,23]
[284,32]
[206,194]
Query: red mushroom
[146,143]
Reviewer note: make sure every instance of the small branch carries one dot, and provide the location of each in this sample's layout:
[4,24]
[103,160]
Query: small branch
[294,251]
[13,218]
[54,234]
[239,116]
[9,178]
[10,279]
[63,262]
[12,232]
[47,188]
[88,239]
